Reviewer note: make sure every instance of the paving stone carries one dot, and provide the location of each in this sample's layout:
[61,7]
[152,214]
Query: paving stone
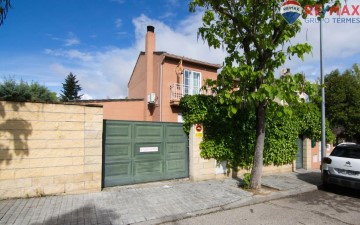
[136,204]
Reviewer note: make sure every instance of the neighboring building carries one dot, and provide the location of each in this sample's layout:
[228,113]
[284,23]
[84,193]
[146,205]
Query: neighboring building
[156,85]
[119,109]
[162,79]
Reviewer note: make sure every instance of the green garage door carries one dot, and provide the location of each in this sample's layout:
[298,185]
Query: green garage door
[137,152]
[299,154]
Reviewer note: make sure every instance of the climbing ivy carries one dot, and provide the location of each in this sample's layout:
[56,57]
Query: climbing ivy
[233,138]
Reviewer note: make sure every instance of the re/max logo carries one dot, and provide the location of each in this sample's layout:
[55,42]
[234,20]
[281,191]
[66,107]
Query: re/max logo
[346,10]
[292,8]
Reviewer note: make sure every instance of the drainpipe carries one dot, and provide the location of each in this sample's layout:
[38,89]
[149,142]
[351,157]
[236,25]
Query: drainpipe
[161,87]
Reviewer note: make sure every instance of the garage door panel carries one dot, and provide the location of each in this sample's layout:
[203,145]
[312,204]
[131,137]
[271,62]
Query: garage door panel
[176,166]
[175,150]
[144,151]
[145,179]
[117,181]
[176,169]
[116,152]
[174,131]
[148,170]
[117,173]
[117,131]
[148,131]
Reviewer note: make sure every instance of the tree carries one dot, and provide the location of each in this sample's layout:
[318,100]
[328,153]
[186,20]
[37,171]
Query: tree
[342,98]
[254,34]
[231,139]
[10,90]
[71,89]
[355,70]
[4,7]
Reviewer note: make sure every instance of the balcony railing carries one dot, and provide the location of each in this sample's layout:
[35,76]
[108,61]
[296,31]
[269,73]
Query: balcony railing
[177,91]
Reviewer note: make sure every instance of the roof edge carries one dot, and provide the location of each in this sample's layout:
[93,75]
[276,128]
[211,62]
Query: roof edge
[172,56]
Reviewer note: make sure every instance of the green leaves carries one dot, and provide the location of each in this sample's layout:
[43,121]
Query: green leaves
[11,90]
[252,32]
[208,17]
[299,50]
[71,89]
[233,138]
[342,96]
[4,7]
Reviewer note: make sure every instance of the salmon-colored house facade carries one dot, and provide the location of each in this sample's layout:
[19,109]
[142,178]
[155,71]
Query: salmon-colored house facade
[156,85]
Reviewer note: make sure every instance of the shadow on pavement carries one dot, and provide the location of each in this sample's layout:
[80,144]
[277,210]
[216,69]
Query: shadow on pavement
[84,215]
[313,178]
[339,199]
[343,191]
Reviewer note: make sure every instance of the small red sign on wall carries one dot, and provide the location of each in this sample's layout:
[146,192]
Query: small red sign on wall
[198,127]
[199,130]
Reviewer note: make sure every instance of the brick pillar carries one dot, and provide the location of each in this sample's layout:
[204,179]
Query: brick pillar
[200,169]
[307,157]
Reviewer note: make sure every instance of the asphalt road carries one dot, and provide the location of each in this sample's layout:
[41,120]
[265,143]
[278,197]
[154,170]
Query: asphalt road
[332,206]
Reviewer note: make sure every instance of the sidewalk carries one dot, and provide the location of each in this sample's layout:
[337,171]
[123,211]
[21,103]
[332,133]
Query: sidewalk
[152,203]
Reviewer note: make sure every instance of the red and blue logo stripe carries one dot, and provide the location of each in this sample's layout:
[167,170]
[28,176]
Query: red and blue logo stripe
[291,10]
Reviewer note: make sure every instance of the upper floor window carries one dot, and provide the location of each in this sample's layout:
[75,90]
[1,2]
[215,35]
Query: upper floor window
[191,82]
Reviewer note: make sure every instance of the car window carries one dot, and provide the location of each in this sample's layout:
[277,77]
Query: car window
[347,151]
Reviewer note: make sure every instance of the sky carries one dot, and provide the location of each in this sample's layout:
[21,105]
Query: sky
[99,41]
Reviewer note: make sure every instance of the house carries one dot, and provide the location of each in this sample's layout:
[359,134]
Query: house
[158,82]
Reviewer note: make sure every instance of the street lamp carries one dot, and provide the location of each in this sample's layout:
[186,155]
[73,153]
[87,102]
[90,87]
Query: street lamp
[323,132]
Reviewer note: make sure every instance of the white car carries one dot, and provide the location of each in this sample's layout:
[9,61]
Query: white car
[342,167]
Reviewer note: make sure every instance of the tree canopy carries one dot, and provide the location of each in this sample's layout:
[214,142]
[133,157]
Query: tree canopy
[257,40]
[342,101]
[10,90]
[4,7]
[71,89]
[232,139]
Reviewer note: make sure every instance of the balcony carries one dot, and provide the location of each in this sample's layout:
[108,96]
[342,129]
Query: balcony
[177,91]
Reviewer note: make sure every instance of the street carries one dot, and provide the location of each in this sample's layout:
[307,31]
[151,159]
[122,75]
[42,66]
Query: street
[335,205]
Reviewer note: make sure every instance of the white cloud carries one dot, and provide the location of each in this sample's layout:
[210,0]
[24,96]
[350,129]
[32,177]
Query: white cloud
[167,15]
[86,97]
[340,48]
[173,2]
[58,69]
[121,34]
[118,23]
[71,40]
[70,54]
[104,74]
[181,40]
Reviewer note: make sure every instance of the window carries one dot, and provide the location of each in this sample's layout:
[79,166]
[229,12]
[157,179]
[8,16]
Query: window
[191,82]
[347,151]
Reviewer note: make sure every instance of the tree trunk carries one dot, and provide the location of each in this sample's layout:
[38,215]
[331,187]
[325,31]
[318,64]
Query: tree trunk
[256,170]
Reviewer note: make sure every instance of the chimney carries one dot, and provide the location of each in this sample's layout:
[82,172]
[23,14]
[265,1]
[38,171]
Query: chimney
[149,56]
[150,40]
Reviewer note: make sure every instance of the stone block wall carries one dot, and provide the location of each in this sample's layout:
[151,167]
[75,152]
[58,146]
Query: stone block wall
[203,169]
[307,156]
[267,170]
[48,149]
[199,168]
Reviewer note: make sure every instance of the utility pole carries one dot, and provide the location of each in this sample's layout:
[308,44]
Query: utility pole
[323,132]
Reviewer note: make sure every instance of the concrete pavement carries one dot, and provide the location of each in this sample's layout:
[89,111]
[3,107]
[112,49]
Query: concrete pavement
[152,203]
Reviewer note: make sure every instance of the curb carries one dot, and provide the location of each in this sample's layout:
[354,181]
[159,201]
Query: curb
[237,204]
